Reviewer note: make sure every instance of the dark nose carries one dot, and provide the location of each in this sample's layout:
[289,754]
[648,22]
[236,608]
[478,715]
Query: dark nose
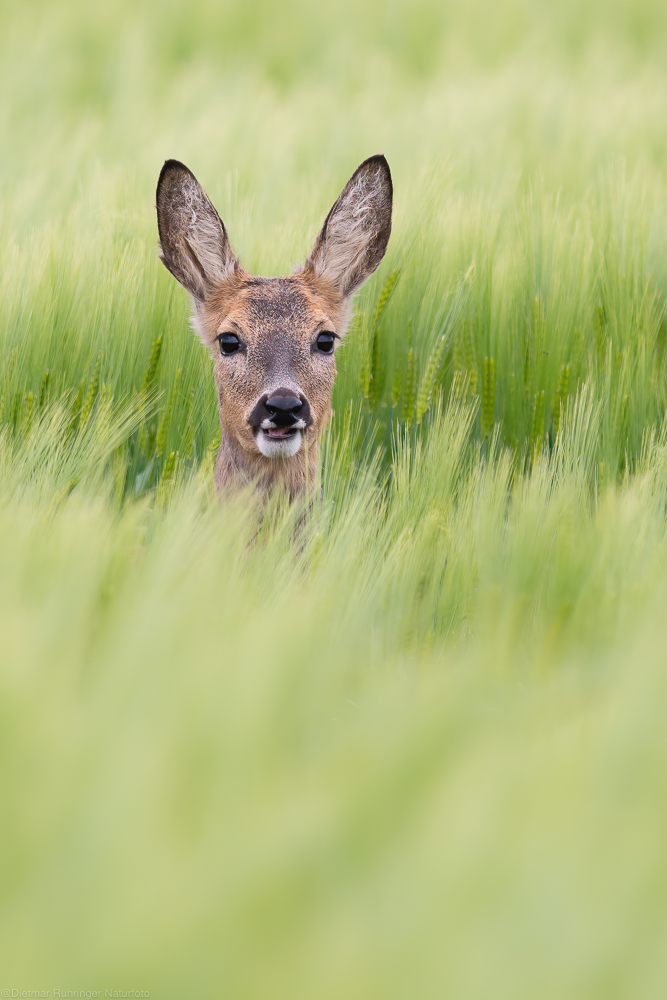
[284,410]
[281,408]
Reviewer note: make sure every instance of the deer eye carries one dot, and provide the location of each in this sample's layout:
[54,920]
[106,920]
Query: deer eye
[229,343]
[325,342]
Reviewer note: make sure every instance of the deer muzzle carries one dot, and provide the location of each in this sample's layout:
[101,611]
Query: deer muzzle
[278,421]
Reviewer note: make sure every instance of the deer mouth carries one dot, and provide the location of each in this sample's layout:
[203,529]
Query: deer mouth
[281,433]
[279,442]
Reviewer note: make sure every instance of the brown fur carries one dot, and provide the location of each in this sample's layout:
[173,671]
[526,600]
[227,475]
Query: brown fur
[276,320]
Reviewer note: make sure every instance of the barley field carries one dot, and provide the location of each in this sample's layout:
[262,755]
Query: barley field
[409,741]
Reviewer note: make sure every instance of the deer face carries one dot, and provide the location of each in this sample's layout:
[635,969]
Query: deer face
[273,340]
[275,366]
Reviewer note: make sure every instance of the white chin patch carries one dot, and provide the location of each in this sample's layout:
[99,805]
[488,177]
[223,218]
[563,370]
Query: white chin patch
[277,447]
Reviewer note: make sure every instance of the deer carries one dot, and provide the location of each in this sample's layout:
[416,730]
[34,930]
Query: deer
[272,340]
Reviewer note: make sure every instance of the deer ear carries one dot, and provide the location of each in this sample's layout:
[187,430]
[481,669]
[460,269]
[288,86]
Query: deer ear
[354,237]
[193,240]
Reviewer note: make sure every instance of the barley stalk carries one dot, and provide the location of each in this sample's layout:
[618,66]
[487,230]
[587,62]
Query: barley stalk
[602,475]
[103,411]
[376,379]
[459,385]
[44,388]
[488,396]
[409,396]
[189,433]
[75,409]
[372,372]
[561,395]
[91,395]
[8,371]
[527,381]
[119,472]
[537,429]
[365,375]
[458,358]
[167,413]
[396,386]
[469,356]
[16,409]
[600,326]
[385,295]
[538,320]
[27,418]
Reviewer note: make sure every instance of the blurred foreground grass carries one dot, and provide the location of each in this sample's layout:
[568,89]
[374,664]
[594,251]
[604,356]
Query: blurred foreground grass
[411,743]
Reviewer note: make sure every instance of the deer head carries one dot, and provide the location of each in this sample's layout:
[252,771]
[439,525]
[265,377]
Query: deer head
[273,340]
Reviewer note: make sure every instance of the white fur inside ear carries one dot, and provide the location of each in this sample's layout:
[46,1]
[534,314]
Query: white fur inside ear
[204,236]
[193,240]
[348,248]
[350,228]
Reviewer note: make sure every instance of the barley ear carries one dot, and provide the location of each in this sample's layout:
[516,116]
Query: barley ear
[430,378]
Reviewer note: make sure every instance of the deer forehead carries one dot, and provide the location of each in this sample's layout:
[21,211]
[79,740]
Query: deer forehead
[272,310]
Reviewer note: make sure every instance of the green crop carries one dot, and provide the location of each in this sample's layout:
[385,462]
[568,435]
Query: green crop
[407,739]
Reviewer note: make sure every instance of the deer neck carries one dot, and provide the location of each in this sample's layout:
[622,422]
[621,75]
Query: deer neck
[237,468]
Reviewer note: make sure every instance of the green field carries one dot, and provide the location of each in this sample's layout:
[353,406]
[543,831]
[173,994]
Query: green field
[411,741]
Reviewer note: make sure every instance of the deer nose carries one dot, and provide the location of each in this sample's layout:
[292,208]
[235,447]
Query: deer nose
[281,409]
[284,409]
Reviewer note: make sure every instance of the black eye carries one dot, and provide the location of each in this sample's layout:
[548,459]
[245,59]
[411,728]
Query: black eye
[229,343]
[325,342]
